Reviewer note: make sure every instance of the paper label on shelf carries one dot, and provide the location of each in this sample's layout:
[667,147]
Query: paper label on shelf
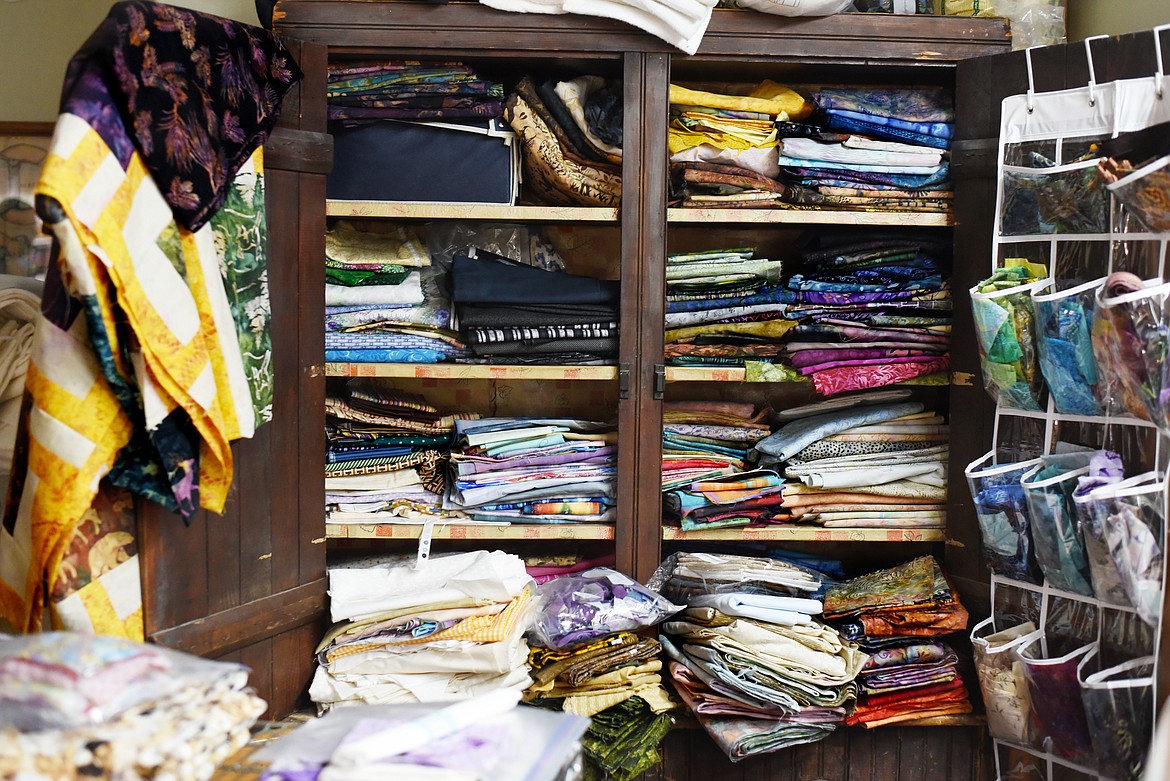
[424,542]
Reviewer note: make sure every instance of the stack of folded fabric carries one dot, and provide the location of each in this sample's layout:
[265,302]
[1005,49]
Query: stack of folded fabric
[512,313]
[747,656]
[897,616]
[572,151]
[546,567]
[710,288]
[705,482]
[586,659]
[534,470]
[874,148]
[445,628]
[870,460]
[723,149]
[873,310]
[410,90]
[385,302]
[386,456]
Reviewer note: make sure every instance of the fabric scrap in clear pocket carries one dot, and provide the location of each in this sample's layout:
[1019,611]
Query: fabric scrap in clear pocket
[1055,692]
[1145,194]
[1108,584]
[1005,329]
[1063,199]
[1133,522]
[1132,333]
[1119,711]
[1059,550]
[1064,344]
[1002,511]
[1002,680]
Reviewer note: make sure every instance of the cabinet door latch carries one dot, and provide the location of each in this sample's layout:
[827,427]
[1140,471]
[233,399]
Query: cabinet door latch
[623,381]
[659,380]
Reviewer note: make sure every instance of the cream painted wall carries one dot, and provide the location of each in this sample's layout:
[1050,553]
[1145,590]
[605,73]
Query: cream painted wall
[1106,17]
[37,38]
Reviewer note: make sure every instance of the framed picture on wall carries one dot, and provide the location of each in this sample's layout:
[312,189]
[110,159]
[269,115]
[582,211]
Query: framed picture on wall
[24,248]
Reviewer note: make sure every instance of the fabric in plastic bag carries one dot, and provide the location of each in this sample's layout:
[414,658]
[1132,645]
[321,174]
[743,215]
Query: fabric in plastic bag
[1055,692]
[1108,584]
[1145,194]
[1002,680]
[600,601]
[1002,511]
[682,576]
[1005,329]
[1064,325]
[1060,199]
[1132,337]
[1119,711]
[1132,520]
[1059,551]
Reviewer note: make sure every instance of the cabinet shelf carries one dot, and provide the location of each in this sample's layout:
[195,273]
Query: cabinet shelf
[459,371]
[809,217]
[804,534]
[453,531]
[412,210]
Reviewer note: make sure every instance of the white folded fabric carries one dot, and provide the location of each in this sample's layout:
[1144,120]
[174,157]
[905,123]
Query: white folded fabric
[406,293]
[809,149]
[786,611]
[655,18]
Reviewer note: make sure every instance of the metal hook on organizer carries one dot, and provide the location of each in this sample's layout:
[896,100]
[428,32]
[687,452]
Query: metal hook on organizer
[1031,79]
[1092,70]
[1159,76]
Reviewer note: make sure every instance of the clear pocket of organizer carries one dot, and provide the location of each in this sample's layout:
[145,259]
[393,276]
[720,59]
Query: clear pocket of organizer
[1119,711]
[1059,550]
[1062,199]
[1002,681]
[1002,511]
[1131,341]
[1145,195]
[1055,692]
[1005,329]
[1131,518]
[1064,345]
[1108,584]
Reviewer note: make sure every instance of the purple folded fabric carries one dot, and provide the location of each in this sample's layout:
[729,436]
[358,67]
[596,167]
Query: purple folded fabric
[803,358]
[820,367]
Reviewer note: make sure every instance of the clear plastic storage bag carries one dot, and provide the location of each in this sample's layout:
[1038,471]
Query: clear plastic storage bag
[1002,680]
[1132,519]
[1061,199]
[1064,324]
[1131,339]
[1059,550]
[1119,711]
[1055,692]
[1005,328]
[590,604]
[1108,584]
[1145,194]
[1002,511]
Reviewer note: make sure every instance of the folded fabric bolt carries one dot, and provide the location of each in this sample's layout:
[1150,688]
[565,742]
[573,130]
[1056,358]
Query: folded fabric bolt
[762,607]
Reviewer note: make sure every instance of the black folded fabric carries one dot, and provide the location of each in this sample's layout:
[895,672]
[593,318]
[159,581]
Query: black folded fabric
[482,281]
[488,316]
[597,346]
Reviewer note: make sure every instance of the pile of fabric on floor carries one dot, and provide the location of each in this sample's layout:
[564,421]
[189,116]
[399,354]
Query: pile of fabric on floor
[871,149]
[512,313]
[572,136]
[722,308]
[386,456]
[586,659]
[875,459]
[874,309]
[748,658]
[534,470]
[410,90]
[706,483]
[385,302]
[897,615]
[409,630]
[723,146]
[78,705]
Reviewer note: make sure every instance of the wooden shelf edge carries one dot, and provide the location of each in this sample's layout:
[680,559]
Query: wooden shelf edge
[805,534]
[452,531]
[462,371]
[809,217]
[418,210]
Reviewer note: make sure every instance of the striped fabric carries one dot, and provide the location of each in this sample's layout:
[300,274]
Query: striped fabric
[126,269]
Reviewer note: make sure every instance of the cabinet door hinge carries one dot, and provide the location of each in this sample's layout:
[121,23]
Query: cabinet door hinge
[659,380]
[623,381]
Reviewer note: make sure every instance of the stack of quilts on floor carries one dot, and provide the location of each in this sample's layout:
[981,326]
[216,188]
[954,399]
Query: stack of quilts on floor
[386,456]
[89,706]
[410,90]
[723,149]
[513,313]
[571,131]
[385,302]
[705,480]
[876,459]
[534,470]
[874,310]
[409,630]
[586,659]
[720,299]
[748,658]
[897,615]
[870,148]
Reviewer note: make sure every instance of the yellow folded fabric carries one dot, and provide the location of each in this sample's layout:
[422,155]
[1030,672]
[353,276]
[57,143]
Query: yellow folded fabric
[681,96]
[772,329]
[795,106]
[654,694]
